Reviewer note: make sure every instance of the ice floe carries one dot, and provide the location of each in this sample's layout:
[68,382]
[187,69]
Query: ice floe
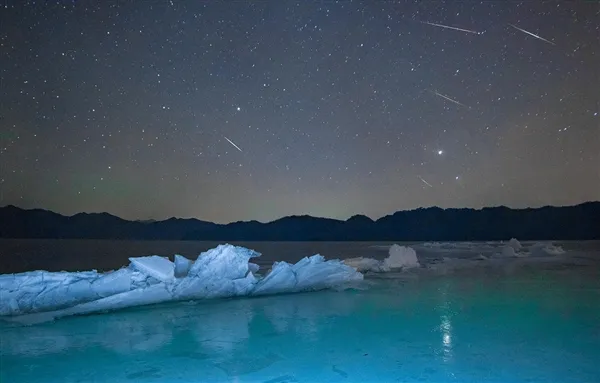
[224,271]
[399,258]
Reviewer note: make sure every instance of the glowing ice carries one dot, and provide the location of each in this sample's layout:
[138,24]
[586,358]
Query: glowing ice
[154,266]
[182,266]
[224,271]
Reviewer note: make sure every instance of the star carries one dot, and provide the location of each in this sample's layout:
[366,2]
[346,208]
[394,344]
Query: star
[161,93]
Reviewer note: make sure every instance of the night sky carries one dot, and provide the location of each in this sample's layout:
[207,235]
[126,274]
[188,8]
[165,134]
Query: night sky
[237,110]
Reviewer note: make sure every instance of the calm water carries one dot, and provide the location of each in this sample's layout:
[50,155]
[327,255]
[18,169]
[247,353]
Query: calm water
[521,324]
[18,255]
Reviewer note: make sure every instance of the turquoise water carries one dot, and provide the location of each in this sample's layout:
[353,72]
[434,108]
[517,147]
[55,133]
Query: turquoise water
[527,326]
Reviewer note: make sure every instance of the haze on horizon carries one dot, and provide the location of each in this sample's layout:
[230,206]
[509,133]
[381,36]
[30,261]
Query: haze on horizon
[262,110]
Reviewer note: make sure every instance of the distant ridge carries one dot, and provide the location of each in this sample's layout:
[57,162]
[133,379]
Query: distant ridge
[579,222]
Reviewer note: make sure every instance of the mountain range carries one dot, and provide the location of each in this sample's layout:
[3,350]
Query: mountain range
[579,222]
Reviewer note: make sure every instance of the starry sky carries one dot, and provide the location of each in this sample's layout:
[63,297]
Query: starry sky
[237,110]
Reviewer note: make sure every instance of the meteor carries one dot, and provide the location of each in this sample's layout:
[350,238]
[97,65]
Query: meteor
[532,34]
[425,182]
[454,28]
[232,143]
[448,98]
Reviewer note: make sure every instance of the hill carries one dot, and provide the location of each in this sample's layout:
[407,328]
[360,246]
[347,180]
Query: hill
[579,222]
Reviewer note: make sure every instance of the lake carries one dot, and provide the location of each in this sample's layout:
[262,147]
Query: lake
[18,255]
[515,320]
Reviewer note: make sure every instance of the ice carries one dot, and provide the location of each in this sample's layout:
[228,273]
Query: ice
[112,283]
[182,266]
[453,256]
[502,256]
[312,273]
[224,271]
[400,257]
[442,329]
[362,264]
[253,267]
[154,266]
[281,278]
[515,244]
[226,261]
[41,290]
[508,252]
[546,249]
[514,249]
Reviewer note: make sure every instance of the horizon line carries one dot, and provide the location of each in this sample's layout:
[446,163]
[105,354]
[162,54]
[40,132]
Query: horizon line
[298,215]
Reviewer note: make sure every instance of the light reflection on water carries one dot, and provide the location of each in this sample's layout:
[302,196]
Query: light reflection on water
[438,329]
[445,322]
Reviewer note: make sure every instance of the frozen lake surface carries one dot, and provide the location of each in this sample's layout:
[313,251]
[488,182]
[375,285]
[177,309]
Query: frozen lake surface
[468,314]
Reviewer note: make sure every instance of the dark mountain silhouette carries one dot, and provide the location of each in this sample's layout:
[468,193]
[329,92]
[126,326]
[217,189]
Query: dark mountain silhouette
[580,222]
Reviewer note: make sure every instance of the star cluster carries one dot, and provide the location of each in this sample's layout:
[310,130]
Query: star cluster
[253,110]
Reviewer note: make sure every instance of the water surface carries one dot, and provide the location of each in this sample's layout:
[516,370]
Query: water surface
[529,323]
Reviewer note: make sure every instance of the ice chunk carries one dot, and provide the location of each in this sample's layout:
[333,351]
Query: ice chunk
[227,261]
[253,267]
[139,297]
[182,266]
[508,252]
[281,278]
[224,271]
[545,249]
[401,257]
[41,290]
[364,264]
[515,244]
[312,273]
[513,249]
[154,266]
[112,283]
[213,274]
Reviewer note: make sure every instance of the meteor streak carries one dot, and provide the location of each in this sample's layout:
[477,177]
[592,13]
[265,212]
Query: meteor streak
[454,28]
[532,34]
[232,143]
[425,182]
[448,98]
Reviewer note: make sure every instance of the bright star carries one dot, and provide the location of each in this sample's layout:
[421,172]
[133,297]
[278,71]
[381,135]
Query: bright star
[238,108]
[440,152]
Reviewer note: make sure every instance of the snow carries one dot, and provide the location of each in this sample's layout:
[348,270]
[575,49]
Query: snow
[224,271]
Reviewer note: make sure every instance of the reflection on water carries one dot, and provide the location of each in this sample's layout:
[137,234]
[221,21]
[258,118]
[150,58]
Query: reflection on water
[447,337]
[438,329]
[446,324]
